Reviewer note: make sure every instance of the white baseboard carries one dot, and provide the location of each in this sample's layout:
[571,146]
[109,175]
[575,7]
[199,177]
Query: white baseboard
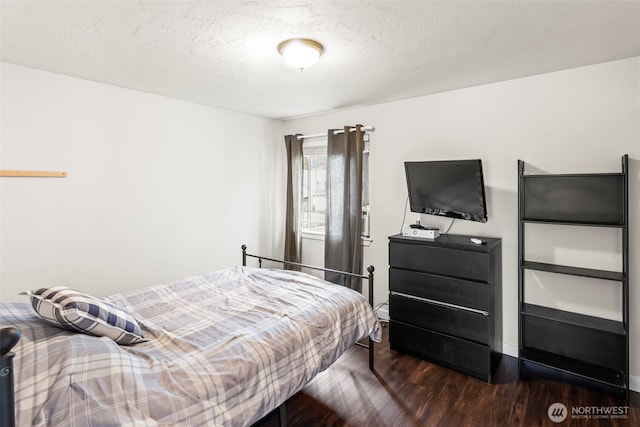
[510,349]
[634,383]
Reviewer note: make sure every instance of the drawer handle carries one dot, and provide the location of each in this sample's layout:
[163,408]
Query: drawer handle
[442,304]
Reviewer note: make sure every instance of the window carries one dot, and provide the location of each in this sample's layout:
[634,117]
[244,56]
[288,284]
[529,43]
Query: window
[314,187]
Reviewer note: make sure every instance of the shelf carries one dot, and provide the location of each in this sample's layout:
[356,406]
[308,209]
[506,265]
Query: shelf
[574,175]
[576,319]
[591,199]
[587,347]
[574,367]
[31,174]
[574,271]
[574,223]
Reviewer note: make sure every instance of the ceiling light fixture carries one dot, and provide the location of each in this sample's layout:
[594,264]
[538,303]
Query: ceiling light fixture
[301,53]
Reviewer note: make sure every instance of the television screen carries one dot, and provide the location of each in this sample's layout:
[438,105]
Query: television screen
[452,188]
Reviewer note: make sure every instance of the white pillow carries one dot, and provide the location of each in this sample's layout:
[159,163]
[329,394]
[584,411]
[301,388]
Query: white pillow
[78,312]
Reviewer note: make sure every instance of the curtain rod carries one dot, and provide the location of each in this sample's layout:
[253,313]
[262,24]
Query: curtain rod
[335,132]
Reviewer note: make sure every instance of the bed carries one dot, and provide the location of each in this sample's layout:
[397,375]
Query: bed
[224,348]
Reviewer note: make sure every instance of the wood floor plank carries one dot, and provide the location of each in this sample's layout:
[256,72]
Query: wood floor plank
[405,391]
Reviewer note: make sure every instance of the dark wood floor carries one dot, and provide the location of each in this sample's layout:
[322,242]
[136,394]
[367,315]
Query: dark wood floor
[405,391]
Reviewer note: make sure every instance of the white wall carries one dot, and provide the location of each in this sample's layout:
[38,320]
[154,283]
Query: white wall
[578,120]
[157,189]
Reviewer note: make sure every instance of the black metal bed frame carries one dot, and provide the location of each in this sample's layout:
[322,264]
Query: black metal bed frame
[369,278]
[9,337]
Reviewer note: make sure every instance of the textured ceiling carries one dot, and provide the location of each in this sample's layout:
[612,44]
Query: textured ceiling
[223,53]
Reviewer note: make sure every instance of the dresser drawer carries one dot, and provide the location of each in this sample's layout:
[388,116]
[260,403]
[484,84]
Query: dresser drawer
[458,322]
[453,291]
[465,356]
[440,260]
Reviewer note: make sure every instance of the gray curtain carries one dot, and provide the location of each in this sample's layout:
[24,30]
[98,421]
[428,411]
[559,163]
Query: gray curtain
[294,193]
[343,227]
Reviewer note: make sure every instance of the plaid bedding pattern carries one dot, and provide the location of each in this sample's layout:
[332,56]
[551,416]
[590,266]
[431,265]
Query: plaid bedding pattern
[224,348]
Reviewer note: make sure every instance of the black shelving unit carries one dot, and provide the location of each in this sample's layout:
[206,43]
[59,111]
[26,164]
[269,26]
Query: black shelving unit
[585,347]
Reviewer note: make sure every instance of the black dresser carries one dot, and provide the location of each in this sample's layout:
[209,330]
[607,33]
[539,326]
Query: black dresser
[445,301]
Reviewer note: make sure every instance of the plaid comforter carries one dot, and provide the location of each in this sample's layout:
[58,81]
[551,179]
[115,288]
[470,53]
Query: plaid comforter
[225,348]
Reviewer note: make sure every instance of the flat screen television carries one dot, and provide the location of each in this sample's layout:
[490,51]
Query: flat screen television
[451,188]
